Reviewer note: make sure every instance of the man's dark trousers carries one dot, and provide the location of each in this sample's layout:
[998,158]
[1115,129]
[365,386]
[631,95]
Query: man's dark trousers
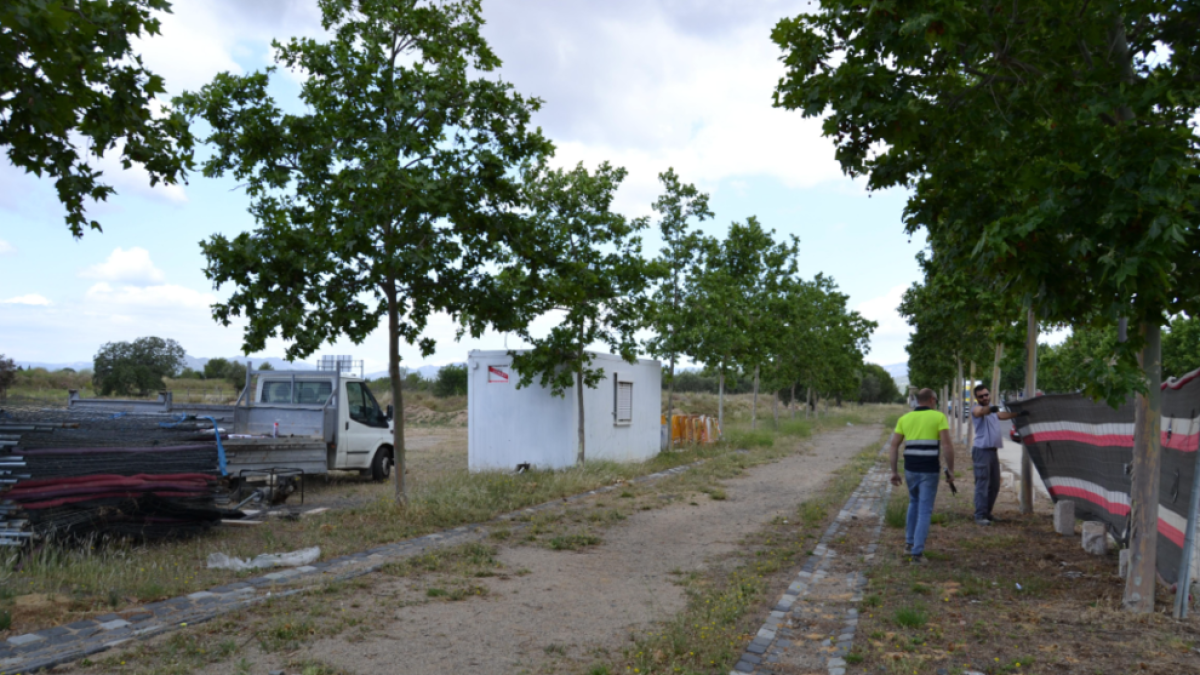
[987,480]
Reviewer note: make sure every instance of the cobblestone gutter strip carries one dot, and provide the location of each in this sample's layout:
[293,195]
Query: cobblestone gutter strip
[50,647]
[825,587]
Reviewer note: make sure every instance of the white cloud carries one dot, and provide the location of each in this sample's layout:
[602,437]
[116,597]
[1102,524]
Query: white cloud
[132,267]
[7,248]
[889,340]
[30,299]
[106,298]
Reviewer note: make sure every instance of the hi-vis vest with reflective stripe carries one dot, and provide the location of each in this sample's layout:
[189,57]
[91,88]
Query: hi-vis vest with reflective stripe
[921,429]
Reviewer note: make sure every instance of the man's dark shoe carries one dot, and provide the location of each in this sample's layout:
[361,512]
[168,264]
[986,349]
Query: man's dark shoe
[907,549]
[984,522]
[918,559]
[994,519]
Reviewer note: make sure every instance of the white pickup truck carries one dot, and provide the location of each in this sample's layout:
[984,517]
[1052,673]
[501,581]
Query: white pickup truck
[315,421]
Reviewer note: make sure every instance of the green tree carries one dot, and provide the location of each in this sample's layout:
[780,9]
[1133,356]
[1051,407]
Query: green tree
[384,200]
[878,386]
[216,369]
[451,381]
[672,316]
[136,367]
[1181,346]
[8,375]
[585,265]
[1050,145]
[740,288]
[68,73]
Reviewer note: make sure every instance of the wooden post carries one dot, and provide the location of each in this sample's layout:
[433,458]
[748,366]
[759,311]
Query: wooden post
[1031,335]
[1143,492]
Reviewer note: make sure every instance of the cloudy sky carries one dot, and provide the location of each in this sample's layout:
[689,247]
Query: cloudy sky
[646,84]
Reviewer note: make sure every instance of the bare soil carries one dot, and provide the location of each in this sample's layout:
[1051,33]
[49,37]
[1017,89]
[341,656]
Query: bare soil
[558,611]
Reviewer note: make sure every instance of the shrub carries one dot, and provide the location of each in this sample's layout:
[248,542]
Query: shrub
[451,381]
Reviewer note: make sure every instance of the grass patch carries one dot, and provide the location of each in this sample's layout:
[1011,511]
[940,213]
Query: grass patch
[573,542]
[750,438]
[910,616]
[467,560]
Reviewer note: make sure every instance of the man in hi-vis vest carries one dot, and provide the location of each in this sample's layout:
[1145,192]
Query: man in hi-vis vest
[925,433]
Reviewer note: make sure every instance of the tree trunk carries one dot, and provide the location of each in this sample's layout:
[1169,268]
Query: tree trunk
[400,463]
[792,401]
[754,402]
[1031,336]
[958,395]
[1143,493]
[579,459]
[971,418]
[996,395]
[775,408]
[721,399]
[671,407]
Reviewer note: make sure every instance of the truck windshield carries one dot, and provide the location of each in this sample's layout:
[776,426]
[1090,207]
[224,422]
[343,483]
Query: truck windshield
[307,393]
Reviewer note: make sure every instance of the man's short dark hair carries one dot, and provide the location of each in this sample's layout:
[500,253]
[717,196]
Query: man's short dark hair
[979,388]
[925,396]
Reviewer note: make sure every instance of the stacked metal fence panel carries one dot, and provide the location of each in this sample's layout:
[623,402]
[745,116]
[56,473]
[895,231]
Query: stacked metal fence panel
[69,475]
[1084,449]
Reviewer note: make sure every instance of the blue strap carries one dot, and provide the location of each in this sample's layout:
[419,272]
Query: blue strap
[220,448]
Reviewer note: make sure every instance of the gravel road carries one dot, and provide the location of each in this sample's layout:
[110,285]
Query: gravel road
[571,603]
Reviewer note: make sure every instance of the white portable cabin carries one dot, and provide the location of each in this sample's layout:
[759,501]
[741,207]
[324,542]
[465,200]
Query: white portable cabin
[508,426]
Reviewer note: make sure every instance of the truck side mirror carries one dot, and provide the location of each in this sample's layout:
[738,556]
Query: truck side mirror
[390,411]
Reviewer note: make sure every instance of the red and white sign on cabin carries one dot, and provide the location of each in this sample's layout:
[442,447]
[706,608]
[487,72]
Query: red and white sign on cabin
[496,375]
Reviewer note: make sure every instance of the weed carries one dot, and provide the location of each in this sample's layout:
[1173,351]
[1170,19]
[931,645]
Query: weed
[910,616]
[573,542]
[5,619]
[920,589]
[599,670]
[896,514]
[717,494]
[872,600]
[854,657]
[436,592]
[555,650]
[626,494]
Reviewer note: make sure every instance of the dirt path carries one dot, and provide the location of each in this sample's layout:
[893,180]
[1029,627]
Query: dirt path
[557,607]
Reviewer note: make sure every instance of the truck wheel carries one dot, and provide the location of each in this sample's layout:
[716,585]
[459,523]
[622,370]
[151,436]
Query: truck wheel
[381,466]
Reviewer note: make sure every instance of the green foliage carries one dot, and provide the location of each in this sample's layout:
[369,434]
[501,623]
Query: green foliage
[672,314]
[877,386]
[125,368]
[72,89]
[451,381]
[8,375]
[386,196]
[586,265]
[233,372]
[1066,174]
[1181,346]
